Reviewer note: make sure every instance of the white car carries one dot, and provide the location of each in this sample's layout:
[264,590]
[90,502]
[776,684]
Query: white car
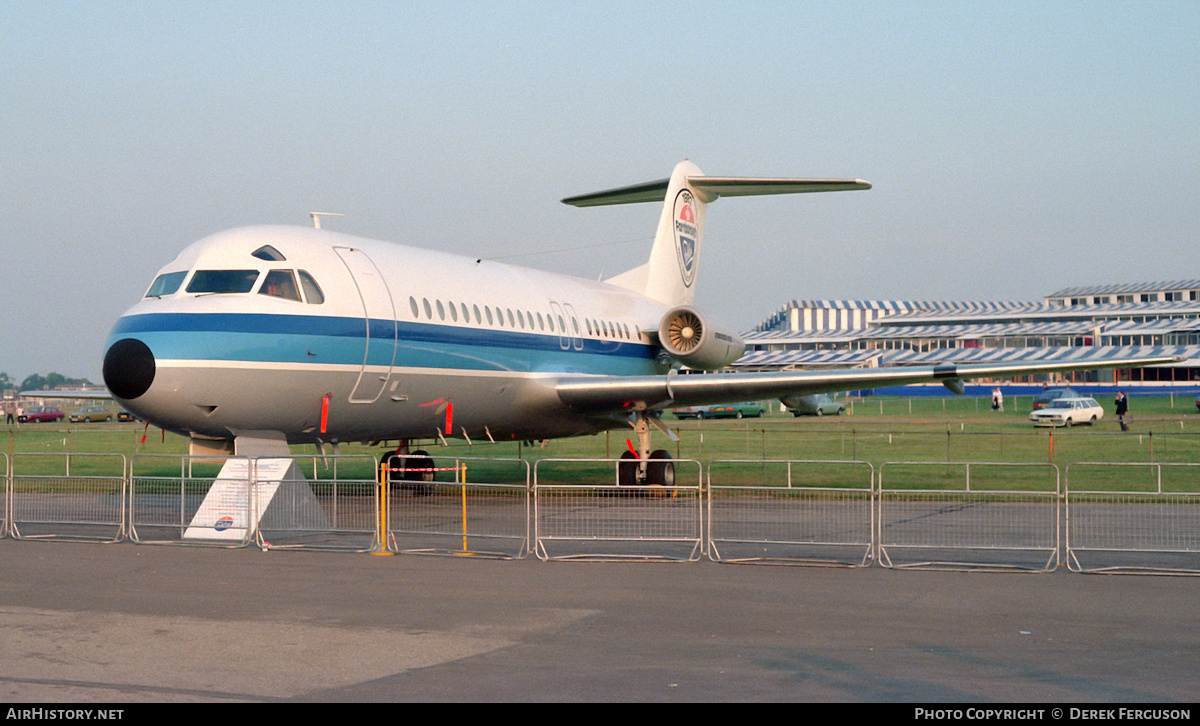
[1068,412]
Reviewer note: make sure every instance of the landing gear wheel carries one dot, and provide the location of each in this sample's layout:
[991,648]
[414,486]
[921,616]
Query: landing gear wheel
[413,473]
[661,473]
[627,470]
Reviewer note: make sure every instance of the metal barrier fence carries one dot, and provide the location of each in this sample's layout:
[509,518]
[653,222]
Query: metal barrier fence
[478,507]
[581,511]
[791,511]
[168,492]
[968,515]
[321,502]
[5,523]
[1133,517]
[67,496]
[311,502]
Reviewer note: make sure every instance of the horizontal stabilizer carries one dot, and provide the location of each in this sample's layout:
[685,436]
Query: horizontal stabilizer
[716,186]
[719,186]
[653,191]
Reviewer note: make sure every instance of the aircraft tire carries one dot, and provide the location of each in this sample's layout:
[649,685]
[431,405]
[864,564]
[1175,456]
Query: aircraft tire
[406,476]
[661,473]
[425,461]
[627,470]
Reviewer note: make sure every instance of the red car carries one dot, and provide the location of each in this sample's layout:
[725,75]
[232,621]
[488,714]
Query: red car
[41,414]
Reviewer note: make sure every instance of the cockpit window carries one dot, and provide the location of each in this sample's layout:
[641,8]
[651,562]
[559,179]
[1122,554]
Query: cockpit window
[166,284]
[222,281]
[312,291]
[268,253]
[280,283]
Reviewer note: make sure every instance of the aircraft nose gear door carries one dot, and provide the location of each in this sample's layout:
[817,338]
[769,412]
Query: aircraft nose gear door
[380,321]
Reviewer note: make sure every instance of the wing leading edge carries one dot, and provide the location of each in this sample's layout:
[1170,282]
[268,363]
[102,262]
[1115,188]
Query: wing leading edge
[601,394]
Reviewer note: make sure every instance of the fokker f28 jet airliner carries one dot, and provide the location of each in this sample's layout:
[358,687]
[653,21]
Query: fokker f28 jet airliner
[260,337]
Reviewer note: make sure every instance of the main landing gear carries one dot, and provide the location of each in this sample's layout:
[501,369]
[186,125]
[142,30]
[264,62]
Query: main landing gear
[409,471]
[645,467]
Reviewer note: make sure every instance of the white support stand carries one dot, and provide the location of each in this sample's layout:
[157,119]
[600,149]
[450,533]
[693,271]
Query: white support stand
[279,497]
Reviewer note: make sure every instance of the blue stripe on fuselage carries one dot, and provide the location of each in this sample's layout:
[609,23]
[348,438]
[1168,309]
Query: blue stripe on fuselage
[317,339]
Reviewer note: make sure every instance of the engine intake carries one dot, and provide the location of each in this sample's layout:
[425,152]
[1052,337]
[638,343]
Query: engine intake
[689,338]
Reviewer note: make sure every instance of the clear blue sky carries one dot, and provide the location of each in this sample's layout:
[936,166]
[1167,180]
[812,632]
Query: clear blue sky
[1015,147]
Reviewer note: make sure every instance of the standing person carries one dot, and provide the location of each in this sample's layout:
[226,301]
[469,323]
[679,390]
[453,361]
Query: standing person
[997,399]
[1122,409]
[8,409]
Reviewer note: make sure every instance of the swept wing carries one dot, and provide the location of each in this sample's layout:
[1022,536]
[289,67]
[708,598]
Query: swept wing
[601,394]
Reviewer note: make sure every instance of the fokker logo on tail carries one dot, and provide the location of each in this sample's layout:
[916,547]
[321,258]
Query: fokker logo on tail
[685,236]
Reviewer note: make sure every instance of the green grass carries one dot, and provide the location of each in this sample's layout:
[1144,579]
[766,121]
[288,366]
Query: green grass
[947,430]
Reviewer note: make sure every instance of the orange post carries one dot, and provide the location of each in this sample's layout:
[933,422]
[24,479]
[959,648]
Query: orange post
[383,508]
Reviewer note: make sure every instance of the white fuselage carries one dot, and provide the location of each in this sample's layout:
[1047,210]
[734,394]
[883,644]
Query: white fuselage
[398,343]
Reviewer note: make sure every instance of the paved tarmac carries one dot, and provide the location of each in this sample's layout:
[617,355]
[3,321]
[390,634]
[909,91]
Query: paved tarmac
[135,623]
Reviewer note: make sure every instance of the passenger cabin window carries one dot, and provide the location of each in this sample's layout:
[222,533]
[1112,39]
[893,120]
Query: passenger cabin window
[215,281]
[166,284]
[280,283]
[312,291]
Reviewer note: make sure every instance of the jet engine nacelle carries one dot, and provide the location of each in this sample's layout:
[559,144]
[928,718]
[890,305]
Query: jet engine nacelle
[690,339]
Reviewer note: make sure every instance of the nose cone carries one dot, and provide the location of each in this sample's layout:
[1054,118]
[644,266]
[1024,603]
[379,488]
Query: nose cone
[128,368]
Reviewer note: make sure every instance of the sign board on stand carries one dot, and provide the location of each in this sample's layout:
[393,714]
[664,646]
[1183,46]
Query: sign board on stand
[233,509]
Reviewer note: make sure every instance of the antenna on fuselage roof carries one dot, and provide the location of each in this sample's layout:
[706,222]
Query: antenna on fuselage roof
[316,217]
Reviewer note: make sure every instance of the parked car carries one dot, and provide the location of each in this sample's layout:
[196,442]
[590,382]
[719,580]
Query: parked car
[1068,412]
[87,414]
[124,415]
[41,414]
[736,410]
[815,405]
[1052,394]
[727,410]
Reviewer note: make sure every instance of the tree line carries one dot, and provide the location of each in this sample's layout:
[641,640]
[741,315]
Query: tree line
[38,382]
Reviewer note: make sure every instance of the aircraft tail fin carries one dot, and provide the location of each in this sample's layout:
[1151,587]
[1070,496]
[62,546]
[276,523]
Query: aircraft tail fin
[670,275]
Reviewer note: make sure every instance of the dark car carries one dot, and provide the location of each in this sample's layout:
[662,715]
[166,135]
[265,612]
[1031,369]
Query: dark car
[124,415]
[1053,394]
[725,410]
[41,414]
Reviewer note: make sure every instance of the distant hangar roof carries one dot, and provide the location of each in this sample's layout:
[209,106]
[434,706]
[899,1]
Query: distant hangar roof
[1126,288]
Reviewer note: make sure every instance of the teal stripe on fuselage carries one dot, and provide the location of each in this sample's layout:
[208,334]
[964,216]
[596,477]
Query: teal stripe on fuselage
[323,340]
